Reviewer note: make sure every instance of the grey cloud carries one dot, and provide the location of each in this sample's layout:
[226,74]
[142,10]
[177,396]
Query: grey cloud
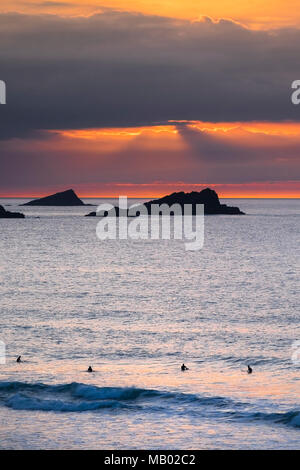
[223,159]
[121,69]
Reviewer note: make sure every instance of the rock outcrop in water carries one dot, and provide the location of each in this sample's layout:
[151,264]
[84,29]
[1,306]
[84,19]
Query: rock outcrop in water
[65,198]
[208,197]
[4,214]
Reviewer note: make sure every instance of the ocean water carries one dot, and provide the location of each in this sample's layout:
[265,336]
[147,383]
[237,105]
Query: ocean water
[135,310]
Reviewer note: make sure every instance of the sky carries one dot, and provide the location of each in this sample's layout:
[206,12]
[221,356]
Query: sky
[143,98]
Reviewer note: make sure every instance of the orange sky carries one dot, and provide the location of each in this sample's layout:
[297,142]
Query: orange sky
[266,190]
[172,145]
[158,155]
[256,190]
[254,13]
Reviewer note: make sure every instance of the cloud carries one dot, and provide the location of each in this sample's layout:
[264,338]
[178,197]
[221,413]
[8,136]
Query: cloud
[54,4]
[123,69]
[191,156]
[119,70]
[242,156]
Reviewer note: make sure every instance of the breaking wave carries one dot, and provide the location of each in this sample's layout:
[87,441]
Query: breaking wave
[79,397]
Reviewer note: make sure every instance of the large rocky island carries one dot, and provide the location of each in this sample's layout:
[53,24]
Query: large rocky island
[65,198]
[208,197]
[4,214]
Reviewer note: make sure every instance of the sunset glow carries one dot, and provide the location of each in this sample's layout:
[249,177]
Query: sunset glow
[146,98]
[149,155]
[256,14]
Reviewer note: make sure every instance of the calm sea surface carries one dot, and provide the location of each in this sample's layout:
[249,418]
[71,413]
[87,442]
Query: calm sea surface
[135,310]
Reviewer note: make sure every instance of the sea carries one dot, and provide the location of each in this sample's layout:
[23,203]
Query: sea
[135,310]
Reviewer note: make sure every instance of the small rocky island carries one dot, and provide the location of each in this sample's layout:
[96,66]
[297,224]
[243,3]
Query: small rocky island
[4,214]
[65,198]
[208,197]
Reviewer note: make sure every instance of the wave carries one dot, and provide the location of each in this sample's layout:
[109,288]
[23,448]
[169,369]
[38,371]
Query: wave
[79,390]
[23,402]
[32,395]
[290,418]
[79,397]
[73,397]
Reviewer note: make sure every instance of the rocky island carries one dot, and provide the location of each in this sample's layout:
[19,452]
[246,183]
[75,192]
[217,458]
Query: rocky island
[4,214]
[208,197]
[65,198]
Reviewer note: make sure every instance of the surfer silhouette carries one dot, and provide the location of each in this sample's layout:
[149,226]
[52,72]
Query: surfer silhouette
[18,359]
[90,369]
[249,370]
[184,367]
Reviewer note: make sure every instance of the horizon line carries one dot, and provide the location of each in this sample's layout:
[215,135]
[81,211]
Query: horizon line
[159,196]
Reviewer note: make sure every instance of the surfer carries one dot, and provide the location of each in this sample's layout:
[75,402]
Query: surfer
[184,367]
[249,370]
[90,369]
[19,359]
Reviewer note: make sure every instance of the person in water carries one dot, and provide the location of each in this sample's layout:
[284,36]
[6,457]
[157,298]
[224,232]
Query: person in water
[249,370]
[19,359]
[90,369]
[184,367]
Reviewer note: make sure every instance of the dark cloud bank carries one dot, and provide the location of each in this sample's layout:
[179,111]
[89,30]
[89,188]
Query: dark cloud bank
[121,69]
[117,69]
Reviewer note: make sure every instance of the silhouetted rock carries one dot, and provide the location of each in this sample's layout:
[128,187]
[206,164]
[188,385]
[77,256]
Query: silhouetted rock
[208,197]
[10,215]
[65,198]
[118,212]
